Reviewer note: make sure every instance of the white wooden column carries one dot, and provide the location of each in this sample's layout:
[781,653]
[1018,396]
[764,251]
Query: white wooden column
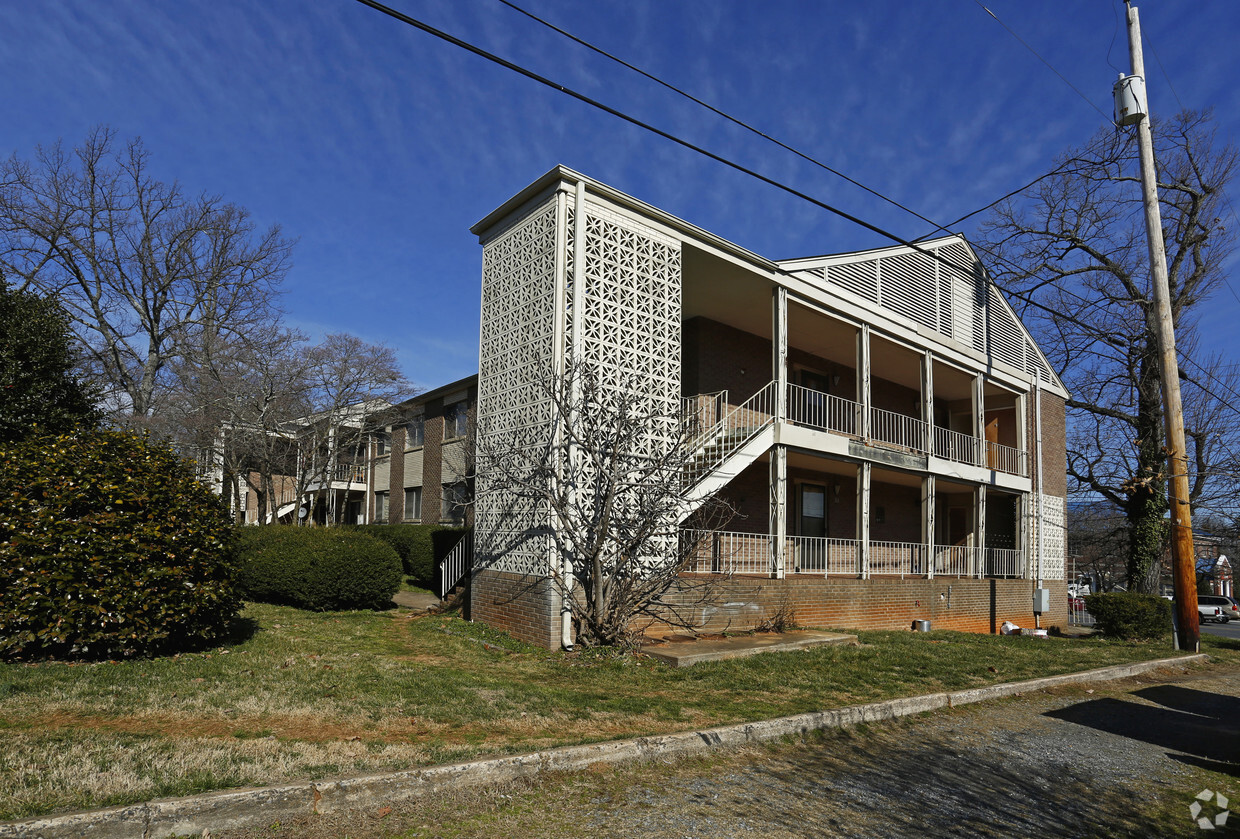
[779,351]
[779,511]
[927,398]
[928,490]
[863,520]
[863,381]
[979,419]
[979,495]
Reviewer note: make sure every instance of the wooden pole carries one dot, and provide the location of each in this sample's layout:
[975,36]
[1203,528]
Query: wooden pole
[1183,561]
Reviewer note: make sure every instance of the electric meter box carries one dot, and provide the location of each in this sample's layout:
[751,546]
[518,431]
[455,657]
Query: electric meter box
[1041,600]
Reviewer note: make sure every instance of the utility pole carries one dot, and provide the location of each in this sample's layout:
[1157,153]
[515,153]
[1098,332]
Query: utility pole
[1183,561]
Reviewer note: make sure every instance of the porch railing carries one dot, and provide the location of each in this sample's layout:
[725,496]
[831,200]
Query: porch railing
[348,473]
[720,552]
[957,561]
[815,409]
[822,555]
[1004,562]
[898,430]
[717,552]
[903,559]
[1007,459]
[737,426]
[961,448]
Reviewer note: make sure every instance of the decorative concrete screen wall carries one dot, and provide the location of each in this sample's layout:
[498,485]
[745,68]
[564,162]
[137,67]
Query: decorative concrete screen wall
[558,284]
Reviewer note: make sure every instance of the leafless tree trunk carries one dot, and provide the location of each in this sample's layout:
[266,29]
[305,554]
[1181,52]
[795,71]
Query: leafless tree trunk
[1073,250]
[604,482]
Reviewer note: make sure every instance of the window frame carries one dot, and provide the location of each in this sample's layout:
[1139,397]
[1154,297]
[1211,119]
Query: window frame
[420,423]
[415,492]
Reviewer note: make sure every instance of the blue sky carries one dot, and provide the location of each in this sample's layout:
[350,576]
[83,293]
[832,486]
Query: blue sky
[377,146]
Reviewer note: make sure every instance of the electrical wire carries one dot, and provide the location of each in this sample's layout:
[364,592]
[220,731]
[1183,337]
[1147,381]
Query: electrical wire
[1044,61]
[719,112]
[581,97]
[377,6]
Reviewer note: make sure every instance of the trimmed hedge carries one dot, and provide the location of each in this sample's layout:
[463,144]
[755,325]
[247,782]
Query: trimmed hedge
[109,548]
[1123,614]
[323,569]
[420,546]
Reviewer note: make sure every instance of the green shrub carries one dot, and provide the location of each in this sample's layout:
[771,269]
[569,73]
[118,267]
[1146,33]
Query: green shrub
[420,546]
[1130,615]
[318,568]
[109,548]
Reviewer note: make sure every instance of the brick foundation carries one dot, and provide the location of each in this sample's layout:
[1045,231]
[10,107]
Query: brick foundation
[967,605]
[526,607]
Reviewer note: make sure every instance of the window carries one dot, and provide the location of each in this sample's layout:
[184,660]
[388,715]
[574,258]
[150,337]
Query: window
[413,503]
[381,506]
[415,433]
[455,420]
[455,500]
[382,443]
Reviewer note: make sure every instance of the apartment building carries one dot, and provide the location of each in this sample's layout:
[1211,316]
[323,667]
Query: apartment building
[891,435]
[420,458]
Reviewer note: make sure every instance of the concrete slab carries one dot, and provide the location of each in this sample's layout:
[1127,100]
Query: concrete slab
[687,653]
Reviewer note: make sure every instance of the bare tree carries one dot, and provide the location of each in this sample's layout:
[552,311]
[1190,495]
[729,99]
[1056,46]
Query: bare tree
[286,418]
[145,272]
[604,485]
[1073,250]
[349,384]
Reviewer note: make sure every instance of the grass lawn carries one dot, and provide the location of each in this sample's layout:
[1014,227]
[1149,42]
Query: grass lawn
[314,695]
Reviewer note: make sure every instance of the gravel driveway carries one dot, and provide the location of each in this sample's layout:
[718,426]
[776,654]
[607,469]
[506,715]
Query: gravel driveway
[1125,760]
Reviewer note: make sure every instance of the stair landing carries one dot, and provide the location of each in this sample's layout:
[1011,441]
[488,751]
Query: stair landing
[693,651]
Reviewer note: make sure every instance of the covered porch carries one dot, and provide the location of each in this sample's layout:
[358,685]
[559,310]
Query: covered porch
[854,519]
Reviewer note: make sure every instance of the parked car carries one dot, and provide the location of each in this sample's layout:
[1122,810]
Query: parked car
[1228,606]
[1211,613]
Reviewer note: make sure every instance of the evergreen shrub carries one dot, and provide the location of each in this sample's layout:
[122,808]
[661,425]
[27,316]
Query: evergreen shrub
[109,548]
[323,569]
[1123,614]
[420,546]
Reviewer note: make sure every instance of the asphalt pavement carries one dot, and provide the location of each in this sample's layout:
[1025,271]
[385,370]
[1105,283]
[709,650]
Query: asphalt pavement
[1231,629]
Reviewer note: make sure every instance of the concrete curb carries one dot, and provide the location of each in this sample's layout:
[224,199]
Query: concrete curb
[249,808]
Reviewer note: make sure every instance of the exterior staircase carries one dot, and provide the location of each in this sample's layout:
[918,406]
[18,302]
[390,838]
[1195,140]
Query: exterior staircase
[723,449]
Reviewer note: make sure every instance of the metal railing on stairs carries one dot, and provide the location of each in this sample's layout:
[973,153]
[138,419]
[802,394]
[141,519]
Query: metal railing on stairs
[457,564]
[737,426]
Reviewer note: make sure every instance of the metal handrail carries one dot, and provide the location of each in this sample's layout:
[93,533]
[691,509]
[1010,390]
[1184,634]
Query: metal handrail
[732,432]
[456,564]
[815,409]
[898,430]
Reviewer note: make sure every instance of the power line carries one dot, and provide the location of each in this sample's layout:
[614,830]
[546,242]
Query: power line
[581,97]
[717,111]
[1044,61]
[1063,316]
[530,74]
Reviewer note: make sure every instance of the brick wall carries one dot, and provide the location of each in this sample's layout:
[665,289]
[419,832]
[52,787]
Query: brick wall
[1054,439]
[396,476]
[967,605]
[528,608]
[717,357]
